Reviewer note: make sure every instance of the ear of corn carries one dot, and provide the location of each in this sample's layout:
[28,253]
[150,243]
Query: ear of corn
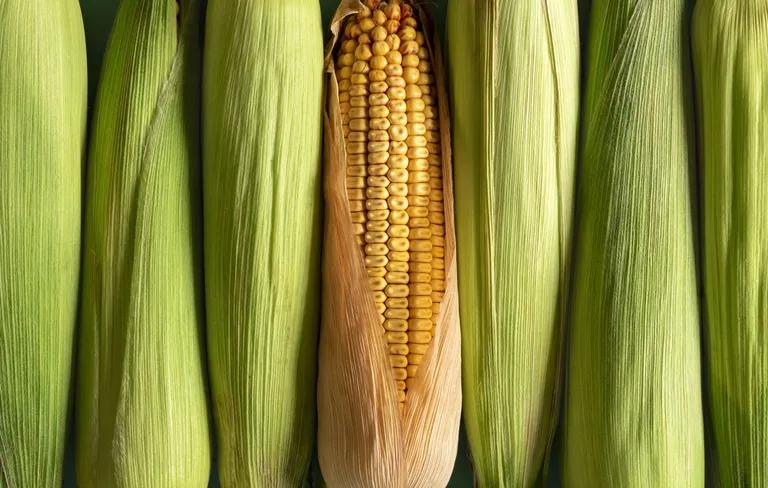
[388,105]
[634,415]
[730,45]
[515,82]
[42,136]
[262,148]
[388,389]
[142,413]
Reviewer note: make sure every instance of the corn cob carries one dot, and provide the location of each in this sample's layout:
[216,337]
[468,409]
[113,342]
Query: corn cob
[262,159]
[394,175]
[633,412]
[389,249]
[43,103]
[515,82]
[730,45]
[142,414]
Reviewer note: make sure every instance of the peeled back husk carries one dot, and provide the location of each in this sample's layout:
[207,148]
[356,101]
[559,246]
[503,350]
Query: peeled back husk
[730,47]
[142,416]
[262,175]
[43,104]
[363,438]
[515,82]
[633,411]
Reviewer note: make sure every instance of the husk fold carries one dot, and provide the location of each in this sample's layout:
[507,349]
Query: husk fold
[363,440]
[142,410]
[730,46]
[262,181]
[634,413]
[515,82]
[43,103]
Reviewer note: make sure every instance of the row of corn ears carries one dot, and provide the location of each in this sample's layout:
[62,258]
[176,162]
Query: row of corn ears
[616,216]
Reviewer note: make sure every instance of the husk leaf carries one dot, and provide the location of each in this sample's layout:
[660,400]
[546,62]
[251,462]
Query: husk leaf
[634,411]
[43,103]
[142,411]
[515,81]
[730,46]
[363,440]
[262,185]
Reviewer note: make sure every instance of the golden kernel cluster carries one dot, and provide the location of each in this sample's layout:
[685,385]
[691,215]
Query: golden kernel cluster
[389,111]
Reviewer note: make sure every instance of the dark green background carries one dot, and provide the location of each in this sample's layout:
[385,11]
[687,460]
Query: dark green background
[97,17]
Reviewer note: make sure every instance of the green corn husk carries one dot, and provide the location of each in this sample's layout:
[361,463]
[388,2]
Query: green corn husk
[515,74]
[634,413]
[262,175]
[43,103]
[142,412]
[730,45]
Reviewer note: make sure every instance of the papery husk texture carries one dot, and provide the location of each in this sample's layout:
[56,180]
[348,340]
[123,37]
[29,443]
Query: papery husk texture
[730,46]
[262,175]
[515,87]
[43,103]
[634,411]
[363,440]
[142,415]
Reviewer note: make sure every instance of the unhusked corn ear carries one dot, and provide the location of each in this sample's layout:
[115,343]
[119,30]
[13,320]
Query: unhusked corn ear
[730,59]
[262,143]
[633,407]
[43,105]
[515,86]
[387,280]
[142,417]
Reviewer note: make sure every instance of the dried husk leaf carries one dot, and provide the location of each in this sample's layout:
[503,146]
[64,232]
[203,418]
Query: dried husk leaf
[43,103]
[634,405]
[142,411]
[363,440]
[262,184]
[730,46]
[515,82]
